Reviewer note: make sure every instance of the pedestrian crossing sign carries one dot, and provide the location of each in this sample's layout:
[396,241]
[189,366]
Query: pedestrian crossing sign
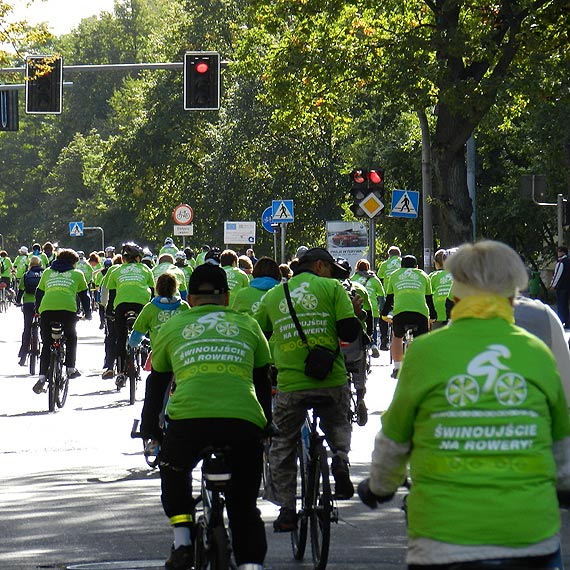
[405,204]
[75,229]
[282,211]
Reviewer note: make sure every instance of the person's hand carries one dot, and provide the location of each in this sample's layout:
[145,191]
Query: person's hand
[368,497]
[357,302]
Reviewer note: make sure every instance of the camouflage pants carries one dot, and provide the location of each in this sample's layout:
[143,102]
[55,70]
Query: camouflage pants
[331,405]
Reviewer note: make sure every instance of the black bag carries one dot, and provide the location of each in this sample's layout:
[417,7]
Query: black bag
[320,360]
[31,280]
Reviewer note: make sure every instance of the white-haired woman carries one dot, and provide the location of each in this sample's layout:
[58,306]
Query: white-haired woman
[480,415]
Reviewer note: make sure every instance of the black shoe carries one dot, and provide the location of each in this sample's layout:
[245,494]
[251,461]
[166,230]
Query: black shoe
[180,559]
[39,386]
[120,381]
[343,488]
[286,521]
[384,346]
[361,413]
[395,373]
[73,373]
[22,361]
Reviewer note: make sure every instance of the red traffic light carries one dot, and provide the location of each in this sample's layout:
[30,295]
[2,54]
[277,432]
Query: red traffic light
[202,67]
[358,176]
[375,177]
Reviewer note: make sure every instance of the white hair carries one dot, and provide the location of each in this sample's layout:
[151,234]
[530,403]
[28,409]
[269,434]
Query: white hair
[486,267]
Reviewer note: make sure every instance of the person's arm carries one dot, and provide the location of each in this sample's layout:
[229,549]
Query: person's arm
[156,385]
[348,329]
[262,384]
[388,304]
[85,303]
[431,307]
[560,350]
[109,308]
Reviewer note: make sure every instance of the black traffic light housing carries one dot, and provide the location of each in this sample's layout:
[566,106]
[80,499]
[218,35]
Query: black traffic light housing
[9,118]
[44,84]
[363,183]
[202,81]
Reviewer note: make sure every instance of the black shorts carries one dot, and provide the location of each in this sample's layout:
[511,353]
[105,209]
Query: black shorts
[409,319]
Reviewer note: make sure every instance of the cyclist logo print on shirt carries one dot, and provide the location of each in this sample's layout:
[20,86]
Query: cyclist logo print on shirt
[509,388]
[211,321]
[300,296]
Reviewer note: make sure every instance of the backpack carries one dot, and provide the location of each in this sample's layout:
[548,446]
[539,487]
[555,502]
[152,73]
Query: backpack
[31,280]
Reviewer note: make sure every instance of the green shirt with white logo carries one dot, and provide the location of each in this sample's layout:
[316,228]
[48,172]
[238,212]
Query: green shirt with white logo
[409,287]
[388,266]
[481,403]
[132,281]
[60,289]
[212,351]
[319,303]
[153,316]
[441,281]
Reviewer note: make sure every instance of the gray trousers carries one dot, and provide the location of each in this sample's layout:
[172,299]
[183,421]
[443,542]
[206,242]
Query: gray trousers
[332,406]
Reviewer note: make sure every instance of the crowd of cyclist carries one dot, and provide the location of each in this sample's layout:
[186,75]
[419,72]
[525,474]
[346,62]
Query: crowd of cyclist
[283,315]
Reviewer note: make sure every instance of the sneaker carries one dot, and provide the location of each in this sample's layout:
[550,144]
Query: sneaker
[22,361]
[73,372]
[375,351]
[394,373]
[384,346]
[107,373]
[39,386]
[181,558]
[344,489]
[361,413]
[286,521]
[120,381]
[101,326]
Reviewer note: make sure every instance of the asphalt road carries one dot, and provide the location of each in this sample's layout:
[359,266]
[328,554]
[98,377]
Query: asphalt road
[76,494]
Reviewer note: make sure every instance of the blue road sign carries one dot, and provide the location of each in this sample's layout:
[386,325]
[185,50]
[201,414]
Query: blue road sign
[267,221]
[405,204]
[282,211]
[75,229]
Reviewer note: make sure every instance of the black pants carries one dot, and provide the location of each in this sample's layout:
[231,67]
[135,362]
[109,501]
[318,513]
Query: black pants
[110,343]
[180,453]
[28,311]
[68,319]
[121,331]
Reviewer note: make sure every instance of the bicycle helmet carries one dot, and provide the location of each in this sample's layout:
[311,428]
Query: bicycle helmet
[130,251]
[213,256]
[344,264]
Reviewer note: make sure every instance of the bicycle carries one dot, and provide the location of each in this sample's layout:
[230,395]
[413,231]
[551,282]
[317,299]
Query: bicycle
[408,336]
[58,382]
[35,345]
[316,507]
[211,537]
[4,301]
[132,369]
[357,361]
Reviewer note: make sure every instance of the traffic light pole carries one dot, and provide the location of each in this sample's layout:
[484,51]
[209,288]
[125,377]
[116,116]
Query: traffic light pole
[372,243]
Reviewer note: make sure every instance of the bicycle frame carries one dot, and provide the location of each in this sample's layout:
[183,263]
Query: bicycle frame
[58,383]
[318,508]
[212,544]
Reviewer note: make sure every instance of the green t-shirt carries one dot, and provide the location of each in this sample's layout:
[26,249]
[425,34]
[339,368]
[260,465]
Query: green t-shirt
[5,267]
[237,279]
[388,266]
[246,300]
[86,269]
[132,281]
[20,265]
[409,287]
[212,351]
[60,289]
[374,287]
[481,403]
[153,316]
[319,303]
[441,281]
[161,268]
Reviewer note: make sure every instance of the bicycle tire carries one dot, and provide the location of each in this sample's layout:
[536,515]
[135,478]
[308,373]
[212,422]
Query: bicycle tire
[62,384]
[299,535]
[219,549]
[51,382]
[200,547]
[321,507]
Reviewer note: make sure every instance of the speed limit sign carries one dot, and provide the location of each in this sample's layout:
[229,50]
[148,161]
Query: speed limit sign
[183,215]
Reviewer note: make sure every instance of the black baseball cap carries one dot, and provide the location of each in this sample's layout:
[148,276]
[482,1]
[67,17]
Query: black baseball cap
[208,279]
[320,254]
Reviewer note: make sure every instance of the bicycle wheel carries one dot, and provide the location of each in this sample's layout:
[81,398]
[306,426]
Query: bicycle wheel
[51,375]
[299,535]
[200,545]
[219,549]
[61,383]
[321,508]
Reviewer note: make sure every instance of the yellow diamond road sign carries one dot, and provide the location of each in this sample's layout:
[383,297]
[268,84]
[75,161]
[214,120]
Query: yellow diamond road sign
[372,205]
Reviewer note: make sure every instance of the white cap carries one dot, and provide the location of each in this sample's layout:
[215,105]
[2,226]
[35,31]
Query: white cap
[23,250]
